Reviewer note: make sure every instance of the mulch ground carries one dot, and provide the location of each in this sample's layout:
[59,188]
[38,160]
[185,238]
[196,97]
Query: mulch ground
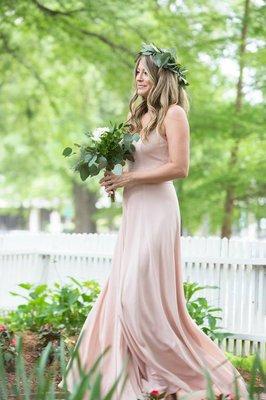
[31,353]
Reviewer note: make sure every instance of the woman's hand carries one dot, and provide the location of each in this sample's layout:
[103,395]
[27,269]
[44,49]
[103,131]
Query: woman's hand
[112,181]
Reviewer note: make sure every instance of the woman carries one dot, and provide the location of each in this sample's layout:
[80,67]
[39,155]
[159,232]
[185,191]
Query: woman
[141,312]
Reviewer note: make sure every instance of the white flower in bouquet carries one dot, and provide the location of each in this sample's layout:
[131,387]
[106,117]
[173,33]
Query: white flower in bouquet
[97,133]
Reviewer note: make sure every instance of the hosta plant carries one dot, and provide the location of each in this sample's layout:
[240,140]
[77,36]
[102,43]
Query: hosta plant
[64,307]
[202,313]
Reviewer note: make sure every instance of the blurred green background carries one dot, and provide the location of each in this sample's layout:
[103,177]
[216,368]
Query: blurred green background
[67,66]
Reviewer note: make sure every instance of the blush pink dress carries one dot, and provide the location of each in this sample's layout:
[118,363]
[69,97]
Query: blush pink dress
[141,312]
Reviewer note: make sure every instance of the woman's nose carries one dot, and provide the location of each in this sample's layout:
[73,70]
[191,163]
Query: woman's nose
[140,77]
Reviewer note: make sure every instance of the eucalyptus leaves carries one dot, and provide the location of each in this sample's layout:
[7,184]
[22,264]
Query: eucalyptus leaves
[107,148]
[165,58]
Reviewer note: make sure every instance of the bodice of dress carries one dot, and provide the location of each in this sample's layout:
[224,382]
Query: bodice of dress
[150,153]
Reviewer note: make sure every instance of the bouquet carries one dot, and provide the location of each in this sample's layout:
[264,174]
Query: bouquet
[106,148]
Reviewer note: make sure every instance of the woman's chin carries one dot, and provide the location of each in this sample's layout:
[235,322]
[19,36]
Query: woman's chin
[142,93]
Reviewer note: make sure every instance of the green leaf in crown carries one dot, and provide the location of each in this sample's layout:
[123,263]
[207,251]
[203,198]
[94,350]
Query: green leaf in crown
[165,58]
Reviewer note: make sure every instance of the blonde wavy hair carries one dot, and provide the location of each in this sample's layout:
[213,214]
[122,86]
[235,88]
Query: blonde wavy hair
[164,92]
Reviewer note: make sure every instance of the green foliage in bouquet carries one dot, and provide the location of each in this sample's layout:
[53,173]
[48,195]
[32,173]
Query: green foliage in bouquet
[64,307]
[106,148]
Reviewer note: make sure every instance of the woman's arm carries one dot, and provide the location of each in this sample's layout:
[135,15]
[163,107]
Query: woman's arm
[178,138]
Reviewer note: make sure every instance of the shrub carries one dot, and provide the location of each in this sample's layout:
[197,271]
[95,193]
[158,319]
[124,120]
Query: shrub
[202,313]
[64,307]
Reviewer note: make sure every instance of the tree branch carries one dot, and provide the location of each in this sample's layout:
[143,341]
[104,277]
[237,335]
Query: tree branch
[13,53]
[108,42]
[51,12]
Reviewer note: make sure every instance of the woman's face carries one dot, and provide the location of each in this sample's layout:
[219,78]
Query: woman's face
[143,82]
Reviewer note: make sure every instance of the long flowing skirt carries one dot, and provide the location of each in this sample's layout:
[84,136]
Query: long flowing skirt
[141,311]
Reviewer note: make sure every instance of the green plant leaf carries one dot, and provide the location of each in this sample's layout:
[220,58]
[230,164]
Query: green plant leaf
[84,172]
[93,159]
[88,157]
[26,285]
[67,151]
[118,169]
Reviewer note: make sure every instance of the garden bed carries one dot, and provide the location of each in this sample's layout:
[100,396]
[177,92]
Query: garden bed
[31,352]
[54,316]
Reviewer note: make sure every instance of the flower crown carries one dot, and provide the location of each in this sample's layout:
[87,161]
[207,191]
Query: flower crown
[165,58]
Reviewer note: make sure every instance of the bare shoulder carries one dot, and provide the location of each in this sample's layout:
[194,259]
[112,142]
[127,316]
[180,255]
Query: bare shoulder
[176,123]
[175,112]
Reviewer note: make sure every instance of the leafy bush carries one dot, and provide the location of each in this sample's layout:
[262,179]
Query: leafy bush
[202,312]
[64,307]
[244,363]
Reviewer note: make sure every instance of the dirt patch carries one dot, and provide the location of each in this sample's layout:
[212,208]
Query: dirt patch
[31,352]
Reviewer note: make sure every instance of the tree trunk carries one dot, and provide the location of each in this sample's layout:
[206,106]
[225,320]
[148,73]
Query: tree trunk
[84,205]
[228,213]
[229,202]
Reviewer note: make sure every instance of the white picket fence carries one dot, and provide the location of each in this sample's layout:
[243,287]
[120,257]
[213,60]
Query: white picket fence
[237,266]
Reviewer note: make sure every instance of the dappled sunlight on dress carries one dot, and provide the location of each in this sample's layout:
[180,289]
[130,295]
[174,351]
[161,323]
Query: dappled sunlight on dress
[141,311]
